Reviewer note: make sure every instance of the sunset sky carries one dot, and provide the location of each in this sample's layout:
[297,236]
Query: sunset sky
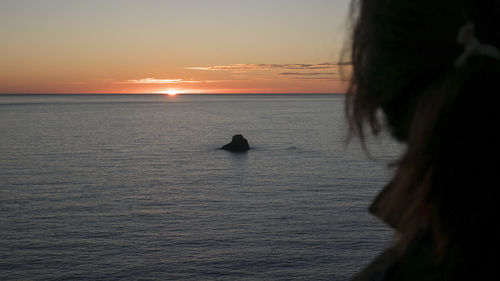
[171,46]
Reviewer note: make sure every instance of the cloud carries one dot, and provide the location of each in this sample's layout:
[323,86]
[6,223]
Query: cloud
[224,67]
[154,81]
[318,78]
[306,73]
[164,81]
[288,66]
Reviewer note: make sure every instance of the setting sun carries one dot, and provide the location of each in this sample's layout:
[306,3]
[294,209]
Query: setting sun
[170,92]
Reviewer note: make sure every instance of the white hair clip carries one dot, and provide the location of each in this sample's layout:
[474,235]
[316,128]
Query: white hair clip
[472,46]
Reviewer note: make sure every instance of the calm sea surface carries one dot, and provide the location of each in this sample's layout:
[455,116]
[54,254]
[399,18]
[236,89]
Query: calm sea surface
[119,187]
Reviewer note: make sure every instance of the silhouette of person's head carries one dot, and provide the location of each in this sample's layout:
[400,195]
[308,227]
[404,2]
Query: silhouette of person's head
[432,68]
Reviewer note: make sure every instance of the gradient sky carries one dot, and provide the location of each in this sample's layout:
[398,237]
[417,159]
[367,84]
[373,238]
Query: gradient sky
[160,46]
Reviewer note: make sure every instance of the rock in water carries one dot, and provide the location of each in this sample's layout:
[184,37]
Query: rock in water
[237,144]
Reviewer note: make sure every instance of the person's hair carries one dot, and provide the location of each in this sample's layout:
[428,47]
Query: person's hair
[403,56]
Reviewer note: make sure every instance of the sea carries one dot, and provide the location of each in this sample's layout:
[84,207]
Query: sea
[135,187]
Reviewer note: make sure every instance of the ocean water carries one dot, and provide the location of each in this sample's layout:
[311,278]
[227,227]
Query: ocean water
[133,187]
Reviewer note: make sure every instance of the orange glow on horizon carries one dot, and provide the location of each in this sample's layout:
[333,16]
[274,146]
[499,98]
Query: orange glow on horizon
[174,91]
[170,92]
[273,79]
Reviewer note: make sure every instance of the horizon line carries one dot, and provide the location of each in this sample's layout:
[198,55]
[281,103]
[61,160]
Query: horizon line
[295,93]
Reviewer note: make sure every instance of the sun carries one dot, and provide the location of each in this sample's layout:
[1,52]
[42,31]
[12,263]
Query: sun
[170,92]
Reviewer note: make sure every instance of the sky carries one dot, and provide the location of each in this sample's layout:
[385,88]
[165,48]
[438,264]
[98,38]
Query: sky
[172,46]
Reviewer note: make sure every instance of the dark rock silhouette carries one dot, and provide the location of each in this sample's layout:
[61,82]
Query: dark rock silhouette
[237,144]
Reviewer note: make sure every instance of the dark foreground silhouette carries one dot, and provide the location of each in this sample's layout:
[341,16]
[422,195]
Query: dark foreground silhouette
[237,144]
[428,70]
